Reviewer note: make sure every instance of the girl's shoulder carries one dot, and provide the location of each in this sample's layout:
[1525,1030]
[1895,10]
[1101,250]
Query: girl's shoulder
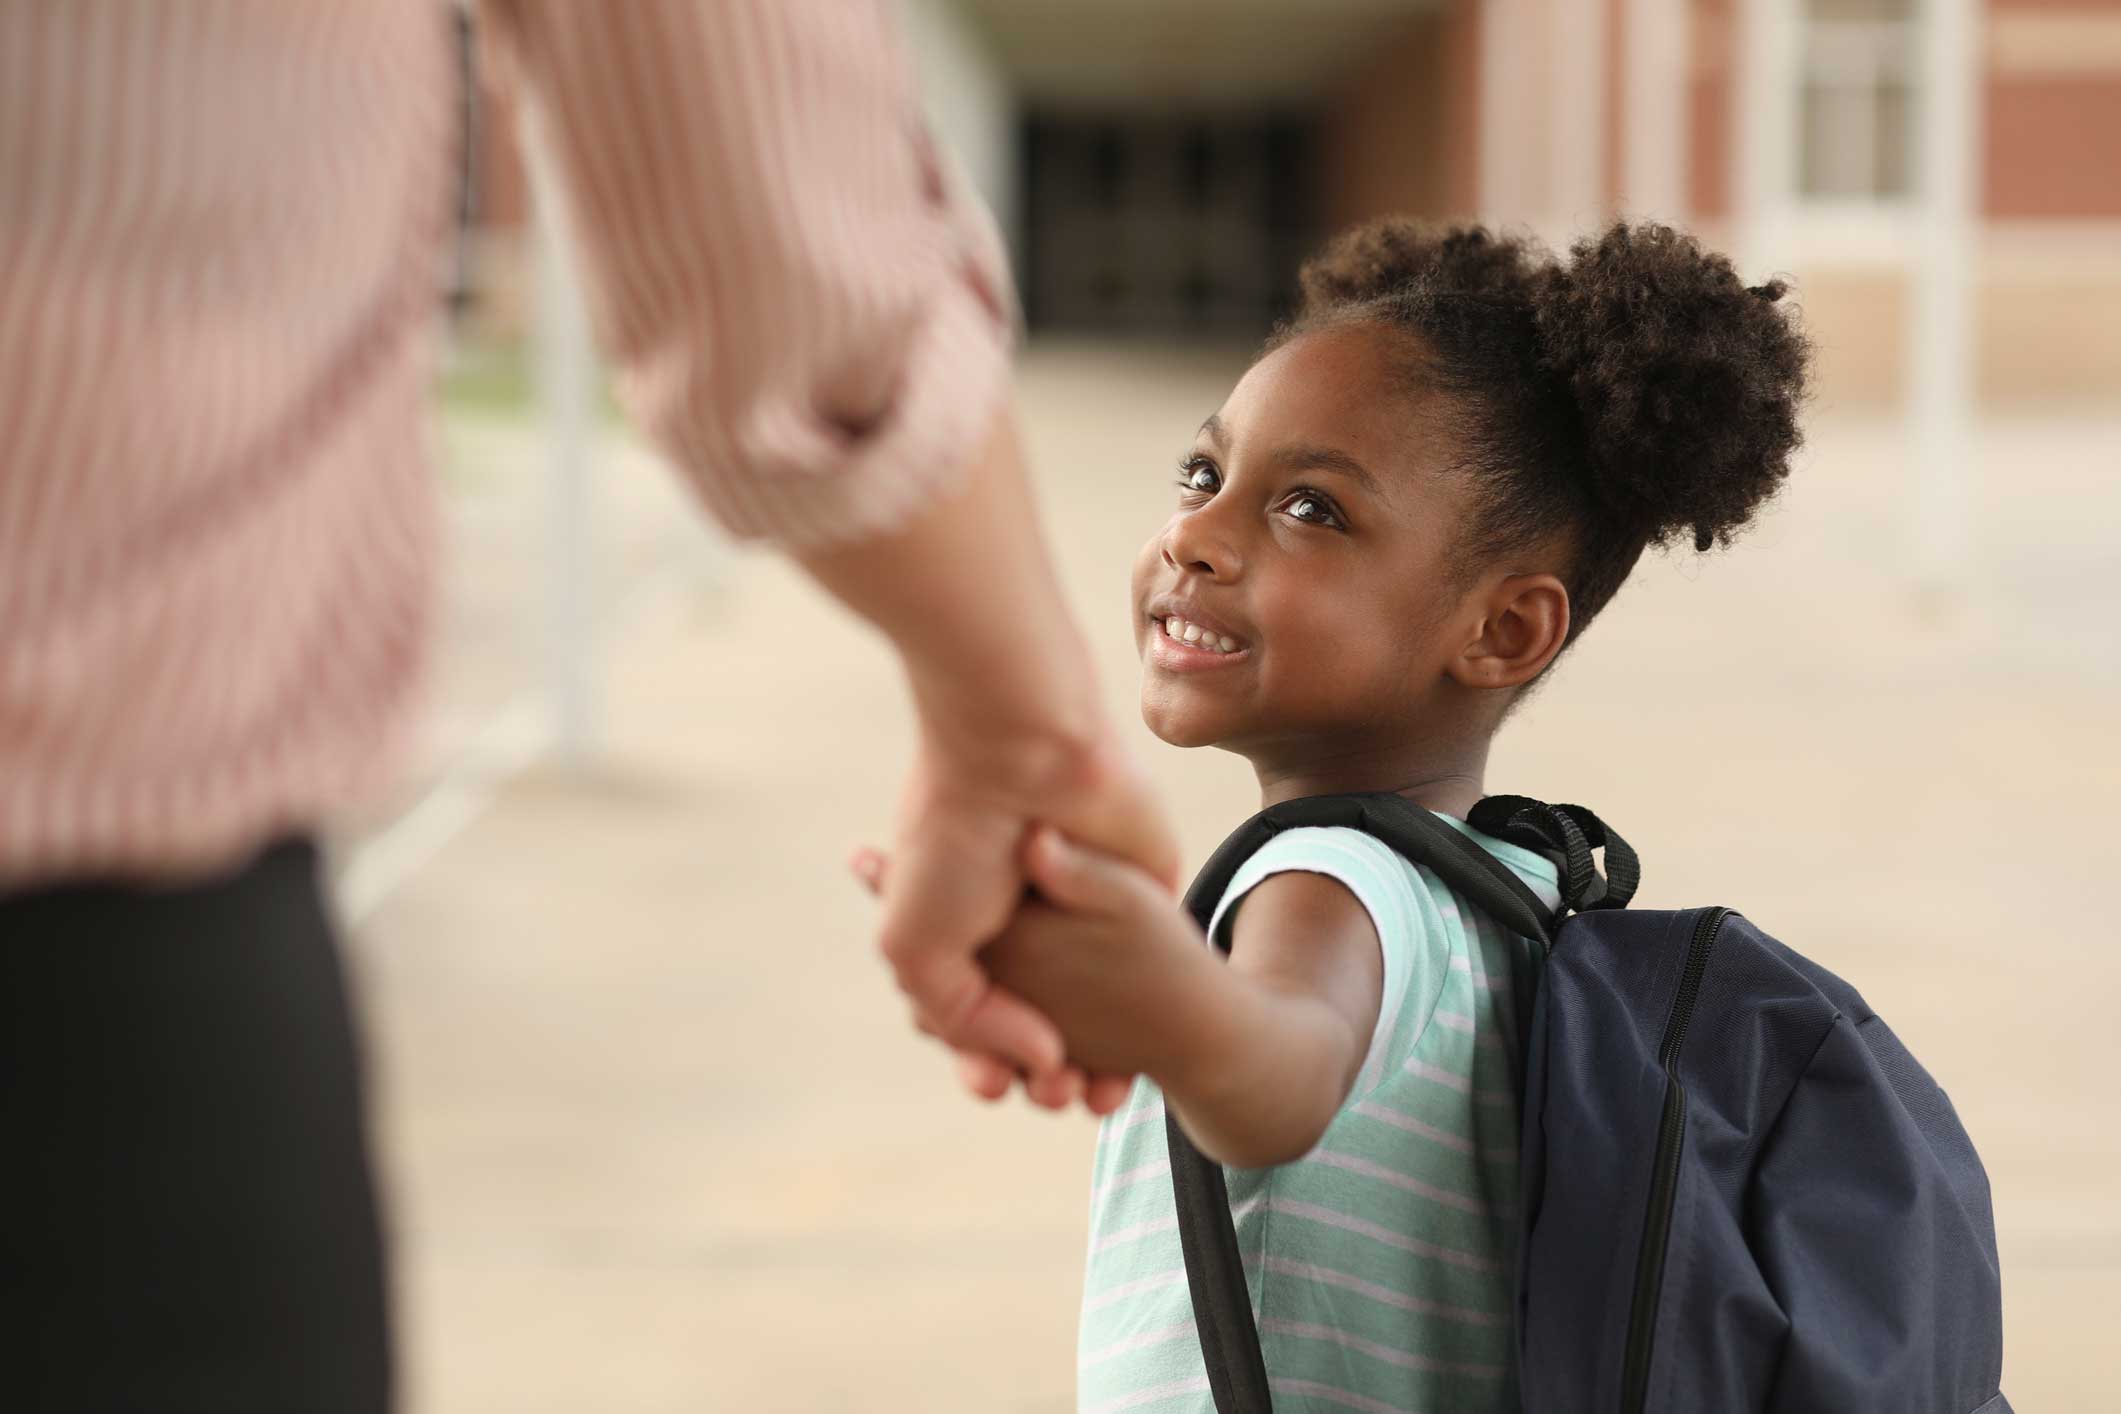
[1396,893]
[1386,885]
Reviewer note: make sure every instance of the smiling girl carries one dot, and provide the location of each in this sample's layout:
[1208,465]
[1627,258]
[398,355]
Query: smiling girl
[1424,489]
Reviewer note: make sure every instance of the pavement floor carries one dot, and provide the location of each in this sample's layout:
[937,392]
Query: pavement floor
[657,1136]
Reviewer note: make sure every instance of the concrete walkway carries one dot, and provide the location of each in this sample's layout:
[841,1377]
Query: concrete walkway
[660,1140]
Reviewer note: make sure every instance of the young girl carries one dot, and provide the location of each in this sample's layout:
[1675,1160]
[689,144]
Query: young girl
[1427,486]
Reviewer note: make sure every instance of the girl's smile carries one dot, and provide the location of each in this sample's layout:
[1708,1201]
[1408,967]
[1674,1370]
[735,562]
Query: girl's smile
[1172,651]
[1185,637]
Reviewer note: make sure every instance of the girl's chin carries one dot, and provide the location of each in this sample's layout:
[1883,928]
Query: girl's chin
[1178,727]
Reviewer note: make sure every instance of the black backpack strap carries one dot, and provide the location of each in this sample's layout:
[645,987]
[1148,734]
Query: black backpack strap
[1215,1276]
[1215,1273]
[1413,832]
[1568,833]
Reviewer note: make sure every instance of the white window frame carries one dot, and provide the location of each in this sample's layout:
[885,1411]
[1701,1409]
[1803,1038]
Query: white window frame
[1846,61]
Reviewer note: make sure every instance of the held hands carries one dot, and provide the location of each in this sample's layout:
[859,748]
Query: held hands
[959,877]
[1098,950]
[1102,950]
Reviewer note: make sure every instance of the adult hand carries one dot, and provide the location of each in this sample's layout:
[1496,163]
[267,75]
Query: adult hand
[958,879]
[989,1078]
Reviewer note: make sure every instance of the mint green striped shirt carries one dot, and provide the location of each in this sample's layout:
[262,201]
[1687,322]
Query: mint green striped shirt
[1380,1262]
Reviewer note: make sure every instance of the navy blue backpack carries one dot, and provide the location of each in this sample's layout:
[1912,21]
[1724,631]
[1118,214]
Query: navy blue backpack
[1739,1191]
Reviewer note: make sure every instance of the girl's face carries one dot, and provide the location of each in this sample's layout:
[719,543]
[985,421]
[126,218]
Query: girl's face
[1305,567]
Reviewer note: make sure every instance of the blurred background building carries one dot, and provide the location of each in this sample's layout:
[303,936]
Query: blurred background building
[1161,165]
[657,1134]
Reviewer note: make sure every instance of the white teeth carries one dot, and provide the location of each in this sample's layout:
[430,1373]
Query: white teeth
[1183,632]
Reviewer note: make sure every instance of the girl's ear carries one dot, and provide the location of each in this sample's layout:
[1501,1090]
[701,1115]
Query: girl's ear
[1526,620]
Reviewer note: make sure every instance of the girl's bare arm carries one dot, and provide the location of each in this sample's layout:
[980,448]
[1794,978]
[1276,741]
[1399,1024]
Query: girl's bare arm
[1255,1054]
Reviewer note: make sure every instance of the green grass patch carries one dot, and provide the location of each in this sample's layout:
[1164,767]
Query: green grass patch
[497,377]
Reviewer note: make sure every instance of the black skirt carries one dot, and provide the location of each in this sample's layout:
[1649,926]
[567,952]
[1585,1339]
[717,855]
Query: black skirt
[187,1214]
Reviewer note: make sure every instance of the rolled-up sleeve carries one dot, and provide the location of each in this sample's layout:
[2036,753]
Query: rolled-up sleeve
[805,312]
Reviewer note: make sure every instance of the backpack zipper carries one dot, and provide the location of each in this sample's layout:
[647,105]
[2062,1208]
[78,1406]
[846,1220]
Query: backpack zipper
[1664,1176]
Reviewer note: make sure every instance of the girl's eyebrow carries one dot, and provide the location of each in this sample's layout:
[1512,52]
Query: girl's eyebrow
[1306,457]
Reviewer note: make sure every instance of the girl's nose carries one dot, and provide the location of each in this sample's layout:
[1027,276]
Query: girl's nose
[1192,542]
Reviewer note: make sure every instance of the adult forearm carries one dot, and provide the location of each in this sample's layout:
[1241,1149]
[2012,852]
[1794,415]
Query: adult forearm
[967,595]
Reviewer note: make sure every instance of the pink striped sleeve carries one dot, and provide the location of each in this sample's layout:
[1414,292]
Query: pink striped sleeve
[802,313]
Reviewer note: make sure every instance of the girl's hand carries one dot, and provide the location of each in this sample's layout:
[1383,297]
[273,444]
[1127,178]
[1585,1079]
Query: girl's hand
[1104,952]
[984,1076]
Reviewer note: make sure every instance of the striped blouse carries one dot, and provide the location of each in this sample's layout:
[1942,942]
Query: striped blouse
[221,230]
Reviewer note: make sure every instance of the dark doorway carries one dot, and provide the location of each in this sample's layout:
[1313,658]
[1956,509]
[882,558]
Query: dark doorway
[1165,225]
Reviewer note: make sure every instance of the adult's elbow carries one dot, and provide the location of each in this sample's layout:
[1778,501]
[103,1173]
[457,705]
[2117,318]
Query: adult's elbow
[817,446]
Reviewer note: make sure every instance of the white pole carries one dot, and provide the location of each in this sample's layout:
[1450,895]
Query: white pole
[1768,34]
[566,385]
[1654,83]
[1576,120]
[1940,330]
[1506,137]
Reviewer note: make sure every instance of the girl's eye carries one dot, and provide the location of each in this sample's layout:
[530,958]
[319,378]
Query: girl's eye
[1198,476]
[1311,509]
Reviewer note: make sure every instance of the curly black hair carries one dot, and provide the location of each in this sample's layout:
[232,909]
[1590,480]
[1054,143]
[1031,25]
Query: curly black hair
[1609,402]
